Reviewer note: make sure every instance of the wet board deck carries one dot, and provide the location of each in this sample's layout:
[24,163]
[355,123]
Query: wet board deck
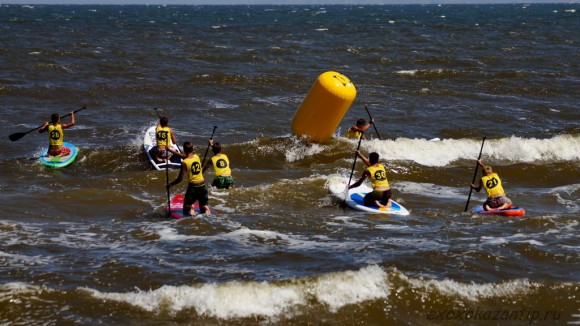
[355,198]
[176,208]
[149,142]
[58,162]
[512,212]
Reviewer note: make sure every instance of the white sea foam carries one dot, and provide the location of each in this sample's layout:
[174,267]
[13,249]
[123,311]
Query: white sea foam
[252,299]
[9,290]
[475,291]
[429,190]
[513,149]
[220,105]
[298,150]
[407,72]
[567,196]
[23,260]
[516,238]
[247,299]
[348,221]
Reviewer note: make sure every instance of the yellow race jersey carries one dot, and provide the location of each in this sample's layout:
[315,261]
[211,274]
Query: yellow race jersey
[194,173]
[221,165]
[378,176]
[55,135]
[353,134]
[163,136]
[492,185]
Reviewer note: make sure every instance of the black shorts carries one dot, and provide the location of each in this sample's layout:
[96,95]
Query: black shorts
[382,196]
[193,194]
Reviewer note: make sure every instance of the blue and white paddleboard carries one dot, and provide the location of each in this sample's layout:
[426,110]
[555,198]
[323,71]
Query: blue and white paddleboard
[355,196]
[59,161]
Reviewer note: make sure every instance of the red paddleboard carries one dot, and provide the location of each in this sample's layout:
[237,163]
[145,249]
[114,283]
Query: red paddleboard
[176,207]
[511,212]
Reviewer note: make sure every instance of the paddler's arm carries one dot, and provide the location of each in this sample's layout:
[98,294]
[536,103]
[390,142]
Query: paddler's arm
[478,188]
[173,139]
[363,158]
[72,121]
[209,162]
[44,127]
[367,126]
[359,181]
[176,152]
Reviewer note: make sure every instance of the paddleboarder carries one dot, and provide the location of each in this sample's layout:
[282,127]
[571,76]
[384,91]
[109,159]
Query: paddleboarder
[377,174]
[490,181]
[196,189]
[221,165]
[56,134]
[359,128]
[165,137]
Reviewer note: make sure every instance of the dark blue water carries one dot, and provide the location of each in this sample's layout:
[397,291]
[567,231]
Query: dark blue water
[89,244]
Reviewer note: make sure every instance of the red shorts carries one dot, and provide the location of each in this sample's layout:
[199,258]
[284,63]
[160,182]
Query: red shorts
[63,151]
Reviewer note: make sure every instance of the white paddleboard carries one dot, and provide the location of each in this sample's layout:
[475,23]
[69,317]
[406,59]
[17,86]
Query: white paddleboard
[354,199]
[149,142]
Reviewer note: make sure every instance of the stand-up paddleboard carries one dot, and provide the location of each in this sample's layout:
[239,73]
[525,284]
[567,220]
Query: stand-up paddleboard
[149,142]
[57,162]
[176,207]
[355,198]
[511,212]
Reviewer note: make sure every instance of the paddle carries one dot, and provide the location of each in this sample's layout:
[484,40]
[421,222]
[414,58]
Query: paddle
[16,136]
[353,166]
[374,125]
[207,149]
[167,173]
[474,175]
[167,183]
[159,115]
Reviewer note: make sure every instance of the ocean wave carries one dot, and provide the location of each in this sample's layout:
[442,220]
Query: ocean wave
[259,299]
[328,293]
[510,150]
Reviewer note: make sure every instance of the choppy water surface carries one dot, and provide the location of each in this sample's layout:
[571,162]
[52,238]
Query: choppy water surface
[90,244]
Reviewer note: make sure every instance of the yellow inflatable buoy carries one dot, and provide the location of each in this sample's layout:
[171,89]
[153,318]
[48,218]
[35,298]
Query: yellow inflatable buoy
[324,107]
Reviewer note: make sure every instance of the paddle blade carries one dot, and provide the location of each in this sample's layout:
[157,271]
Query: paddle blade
[16,136]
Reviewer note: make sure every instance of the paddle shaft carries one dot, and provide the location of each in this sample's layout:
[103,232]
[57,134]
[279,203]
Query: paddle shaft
[353,164]
[374,125]
[167,183]
[18,135]
[207,149]
[474,175]
[167,174]
[159,115]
